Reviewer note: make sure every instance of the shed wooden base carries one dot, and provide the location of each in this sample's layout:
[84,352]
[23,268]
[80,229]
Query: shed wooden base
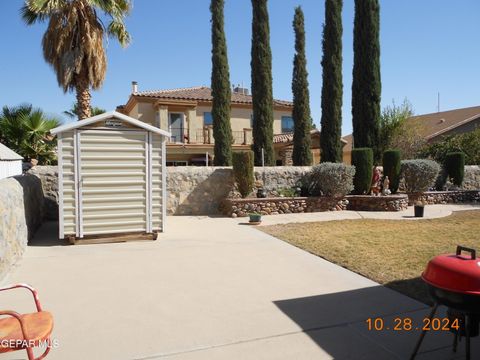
[110,238]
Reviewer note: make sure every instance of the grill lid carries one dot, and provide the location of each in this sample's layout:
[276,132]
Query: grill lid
[455,272]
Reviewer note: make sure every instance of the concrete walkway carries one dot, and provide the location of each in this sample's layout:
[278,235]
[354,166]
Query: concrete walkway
[211,288]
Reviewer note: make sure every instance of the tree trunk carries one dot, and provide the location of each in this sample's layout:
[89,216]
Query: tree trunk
[83,100]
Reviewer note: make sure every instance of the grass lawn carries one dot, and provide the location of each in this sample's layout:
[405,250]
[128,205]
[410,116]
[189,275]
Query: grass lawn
[390,252]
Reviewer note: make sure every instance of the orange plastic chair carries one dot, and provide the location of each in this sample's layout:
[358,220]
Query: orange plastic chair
[25,331]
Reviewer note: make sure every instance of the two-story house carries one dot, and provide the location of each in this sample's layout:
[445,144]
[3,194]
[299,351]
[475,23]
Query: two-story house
[186,114]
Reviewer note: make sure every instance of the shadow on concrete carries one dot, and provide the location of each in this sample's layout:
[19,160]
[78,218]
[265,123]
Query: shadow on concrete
[414,288]
[47,235]
[338,324]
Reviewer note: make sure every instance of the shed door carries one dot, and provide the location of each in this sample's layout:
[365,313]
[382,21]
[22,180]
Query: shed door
[113,182]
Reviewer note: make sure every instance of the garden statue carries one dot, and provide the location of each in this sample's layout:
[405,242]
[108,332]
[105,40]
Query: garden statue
[386,185]
[376,182]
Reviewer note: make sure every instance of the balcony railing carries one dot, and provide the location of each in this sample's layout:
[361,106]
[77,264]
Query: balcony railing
[205,136]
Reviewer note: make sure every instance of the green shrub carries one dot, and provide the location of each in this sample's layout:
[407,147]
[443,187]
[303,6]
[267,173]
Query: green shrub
[331,179]
[243,171]
[362,159]
[392,168]
[455,167]
[419,175]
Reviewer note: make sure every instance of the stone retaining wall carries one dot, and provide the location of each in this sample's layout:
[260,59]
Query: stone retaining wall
[282,205]
[200,190]
[377,203]
[446,197]
[49,177]
[21,213]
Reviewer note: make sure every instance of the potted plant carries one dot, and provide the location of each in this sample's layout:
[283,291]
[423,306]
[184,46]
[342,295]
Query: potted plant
[255,218]
[419,208]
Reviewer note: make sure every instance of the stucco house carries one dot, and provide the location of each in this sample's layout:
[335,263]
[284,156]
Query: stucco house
[435,126]
[186,114]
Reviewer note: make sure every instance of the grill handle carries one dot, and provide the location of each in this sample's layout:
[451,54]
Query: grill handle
[473,253]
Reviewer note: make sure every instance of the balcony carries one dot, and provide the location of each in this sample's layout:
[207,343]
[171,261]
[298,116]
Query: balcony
[205,136]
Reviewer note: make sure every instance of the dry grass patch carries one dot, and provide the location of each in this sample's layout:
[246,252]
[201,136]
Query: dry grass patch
[390,252]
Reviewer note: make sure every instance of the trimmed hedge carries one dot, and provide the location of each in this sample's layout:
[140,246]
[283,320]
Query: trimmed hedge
[455,167]
[392,168]
[362,159]
[243,172]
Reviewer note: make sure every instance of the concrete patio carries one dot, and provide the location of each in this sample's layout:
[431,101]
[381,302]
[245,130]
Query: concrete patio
[212,288]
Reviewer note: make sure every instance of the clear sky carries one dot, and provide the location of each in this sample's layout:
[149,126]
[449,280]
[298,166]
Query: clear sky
[427,46]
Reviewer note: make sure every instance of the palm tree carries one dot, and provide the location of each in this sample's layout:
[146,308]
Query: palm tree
[26,131]
[73,112]
[73,41]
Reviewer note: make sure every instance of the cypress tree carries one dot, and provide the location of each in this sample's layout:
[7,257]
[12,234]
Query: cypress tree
[221,93]
[332,87]
[261,64]
[302,154]
[366,86]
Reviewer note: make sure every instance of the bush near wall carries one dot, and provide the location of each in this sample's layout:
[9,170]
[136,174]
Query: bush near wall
[362,159]
[419,175]
[331,179]
[243,171]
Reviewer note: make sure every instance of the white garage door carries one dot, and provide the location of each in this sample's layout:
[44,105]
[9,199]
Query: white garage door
[114,194]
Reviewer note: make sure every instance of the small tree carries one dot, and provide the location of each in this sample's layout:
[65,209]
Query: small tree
[25,130]
[302,153]
[392,168]
[243,172]
[362,159]
[455,167]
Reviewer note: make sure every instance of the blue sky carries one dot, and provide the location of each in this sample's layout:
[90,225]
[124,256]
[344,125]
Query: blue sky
[427,46]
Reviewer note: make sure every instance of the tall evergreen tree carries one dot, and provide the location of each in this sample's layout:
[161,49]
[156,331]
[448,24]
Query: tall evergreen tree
[366,86]
[261,65]
[302,154]
[332,88]
[221,93]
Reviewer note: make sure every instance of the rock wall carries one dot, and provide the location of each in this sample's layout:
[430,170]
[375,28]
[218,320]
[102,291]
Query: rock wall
[21,213]
[200,190]
[283,205]
[445,197]
[377,203]
[49,178]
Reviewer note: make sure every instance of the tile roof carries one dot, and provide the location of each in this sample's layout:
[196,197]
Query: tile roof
[200,93]
[435,124]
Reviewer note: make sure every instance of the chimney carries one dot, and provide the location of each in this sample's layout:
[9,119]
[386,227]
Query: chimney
[134,87]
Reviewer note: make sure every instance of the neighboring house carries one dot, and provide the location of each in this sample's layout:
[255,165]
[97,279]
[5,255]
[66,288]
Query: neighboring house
[10,162]
[186,113]
[435,126]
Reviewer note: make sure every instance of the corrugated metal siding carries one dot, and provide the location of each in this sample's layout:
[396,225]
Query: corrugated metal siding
[157,192]
[68,200]
[10,168]
[113,181]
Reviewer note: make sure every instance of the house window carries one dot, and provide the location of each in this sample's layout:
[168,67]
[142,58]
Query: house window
[287,124]
[207,119]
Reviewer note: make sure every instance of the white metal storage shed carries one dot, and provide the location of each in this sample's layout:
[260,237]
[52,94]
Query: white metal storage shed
[10,162]
[112,177]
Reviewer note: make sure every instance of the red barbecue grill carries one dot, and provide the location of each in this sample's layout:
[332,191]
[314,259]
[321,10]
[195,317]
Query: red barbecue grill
[454,281]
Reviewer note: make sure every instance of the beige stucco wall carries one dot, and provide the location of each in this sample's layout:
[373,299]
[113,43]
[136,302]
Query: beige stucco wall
[146,113]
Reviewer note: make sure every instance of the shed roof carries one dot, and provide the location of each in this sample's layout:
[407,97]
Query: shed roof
[7,154]
[109,115]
